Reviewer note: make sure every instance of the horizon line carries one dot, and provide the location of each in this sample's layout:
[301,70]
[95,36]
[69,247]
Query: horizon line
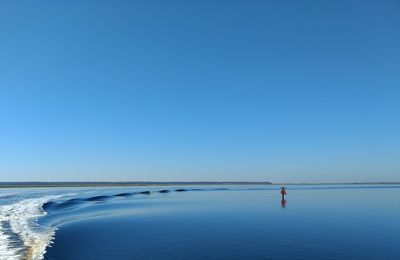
[32,184]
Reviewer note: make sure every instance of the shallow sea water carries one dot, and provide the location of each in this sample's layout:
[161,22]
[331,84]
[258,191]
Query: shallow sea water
[330,223]
[232,222]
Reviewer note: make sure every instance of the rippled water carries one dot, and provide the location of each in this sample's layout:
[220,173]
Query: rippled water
[232,222]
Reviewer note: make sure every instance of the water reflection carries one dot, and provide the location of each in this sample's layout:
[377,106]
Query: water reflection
[283,203]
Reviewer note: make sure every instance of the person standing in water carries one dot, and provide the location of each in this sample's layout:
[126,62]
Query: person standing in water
[283,192]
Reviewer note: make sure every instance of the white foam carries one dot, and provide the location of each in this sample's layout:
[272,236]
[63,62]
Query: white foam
[6,251]
[22,217]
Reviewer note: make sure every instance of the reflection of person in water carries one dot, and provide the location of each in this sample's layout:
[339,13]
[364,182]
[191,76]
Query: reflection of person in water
[283,203]
[283,193]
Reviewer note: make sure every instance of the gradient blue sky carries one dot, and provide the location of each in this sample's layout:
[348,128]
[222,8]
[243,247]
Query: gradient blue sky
[200,90]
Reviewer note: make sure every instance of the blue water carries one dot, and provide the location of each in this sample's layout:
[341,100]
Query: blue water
[231,222]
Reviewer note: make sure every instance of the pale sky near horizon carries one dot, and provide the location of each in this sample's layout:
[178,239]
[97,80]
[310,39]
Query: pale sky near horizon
[200,90]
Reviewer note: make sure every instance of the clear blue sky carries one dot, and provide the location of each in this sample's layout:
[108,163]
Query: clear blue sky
[200,90]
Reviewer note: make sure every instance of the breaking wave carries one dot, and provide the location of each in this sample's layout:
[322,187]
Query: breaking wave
[21,237]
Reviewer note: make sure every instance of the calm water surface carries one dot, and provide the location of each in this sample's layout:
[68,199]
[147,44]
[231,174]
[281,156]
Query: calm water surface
[358,223]
[242,222]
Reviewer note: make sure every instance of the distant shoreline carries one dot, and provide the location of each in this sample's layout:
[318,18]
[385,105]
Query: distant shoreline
[149,183]
[116,184]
